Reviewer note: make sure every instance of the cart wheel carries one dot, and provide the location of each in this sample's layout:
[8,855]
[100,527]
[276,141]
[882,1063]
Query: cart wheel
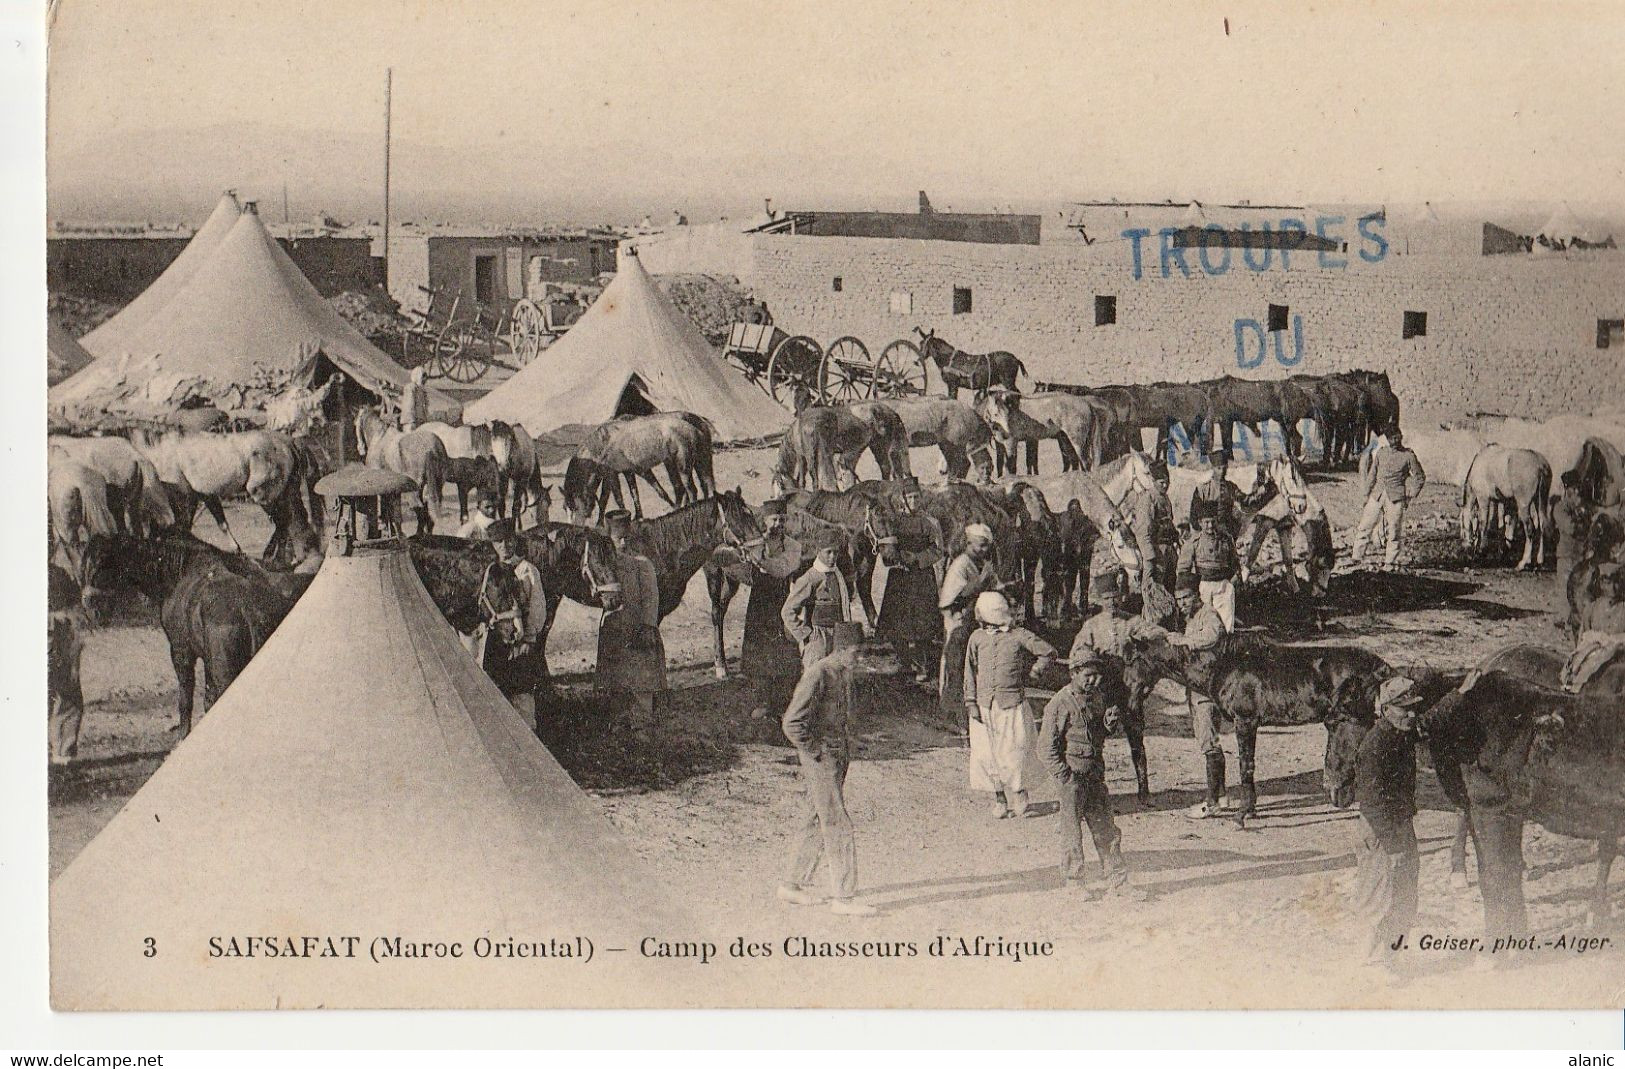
[848,372]
[900,371]
[793,371]
[459,358]
[525,332]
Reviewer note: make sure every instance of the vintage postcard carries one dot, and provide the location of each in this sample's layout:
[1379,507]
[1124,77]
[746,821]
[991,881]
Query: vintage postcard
[864,504]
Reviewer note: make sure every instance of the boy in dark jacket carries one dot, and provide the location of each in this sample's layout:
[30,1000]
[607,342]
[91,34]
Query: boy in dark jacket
[1385,789]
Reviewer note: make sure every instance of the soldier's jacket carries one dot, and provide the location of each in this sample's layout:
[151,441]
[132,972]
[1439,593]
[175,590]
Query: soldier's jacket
[1072,739]
[1395,472]
[1109,633]
[819,716]
[1203,633]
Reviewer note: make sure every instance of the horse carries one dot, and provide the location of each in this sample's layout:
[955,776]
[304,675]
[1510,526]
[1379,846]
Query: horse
[1254,682]
[684,540]
[1160,405]
[957,430]
[1081,424]
[1250,402]
[79,509]
[1378,404]
[819,433]
[419,455]
[265,466]
[1282,502]
[1597,567]
[636,445]
[978,372]
[472,473]
[517,466]
[1014,428]
[1510,746]
[214,606]
[848,512]
[133,494]
[1520,478]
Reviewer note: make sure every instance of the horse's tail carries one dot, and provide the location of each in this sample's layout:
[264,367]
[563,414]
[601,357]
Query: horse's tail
[1022,373]
[155,509]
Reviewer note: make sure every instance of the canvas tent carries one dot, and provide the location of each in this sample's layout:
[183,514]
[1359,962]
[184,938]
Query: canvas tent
[362,777]
[63,354]
[111,336]
[244,327]
[632,351]
[1565,231]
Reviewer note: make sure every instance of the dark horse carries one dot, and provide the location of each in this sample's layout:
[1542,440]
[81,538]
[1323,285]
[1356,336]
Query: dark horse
[214,606]
[575,562]
[1509,747]
[1253,682]
[972,371]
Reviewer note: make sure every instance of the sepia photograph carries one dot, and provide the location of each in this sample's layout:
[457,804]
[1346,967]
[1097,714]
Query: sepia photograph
[902,504]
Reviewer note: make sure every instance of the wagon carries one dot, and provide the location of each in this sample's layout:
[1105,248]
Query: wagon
[795,367]
[459,339]
[533,326]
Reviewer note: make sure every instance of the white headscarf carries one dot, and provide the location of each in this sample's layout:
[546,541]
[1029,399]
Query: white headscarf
[978,530]
[992,608]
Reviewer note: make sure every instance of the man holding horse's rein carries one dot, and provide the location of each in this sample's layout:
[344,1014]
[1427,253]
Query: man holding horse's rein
[526,668]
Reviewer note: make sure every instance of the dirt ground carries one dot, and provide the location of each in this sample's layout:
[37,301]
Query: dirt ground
[1236,918]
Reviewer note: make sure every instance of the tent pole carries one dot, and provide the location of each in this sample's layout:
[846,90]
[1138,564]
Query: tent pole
[389,89]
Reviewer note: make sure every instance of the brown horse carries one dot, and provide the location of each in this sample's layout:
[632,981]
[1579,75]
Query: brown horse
[821,433]
[956,429]
[419,455]
[1079,424]
[971,371]
[632,447]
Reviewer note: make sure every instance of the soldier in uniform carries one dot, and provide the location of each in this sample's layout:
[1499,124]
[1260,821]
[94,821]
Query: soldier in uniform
[631,654]
[1217,496]
[1209,558]
[817,601]
[1390,478]
[908,608]
[1203,633]
[769,656]
[524,671]
[1108,633]
[1385,789]
[1072,747]
[966,577]
[64,645]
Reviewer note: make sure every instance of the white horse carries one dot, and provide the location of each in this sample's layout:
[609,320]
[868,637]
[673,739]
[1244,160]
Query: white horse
[1302,532]
[79,509]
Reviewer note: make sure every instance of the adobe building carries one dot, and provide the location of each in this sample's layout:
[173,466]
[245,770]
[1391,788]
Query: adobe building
[493,266]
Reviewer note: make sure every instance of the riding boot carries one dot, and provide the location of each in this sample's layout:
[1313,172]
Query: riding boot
[1215,788]
[1221,800]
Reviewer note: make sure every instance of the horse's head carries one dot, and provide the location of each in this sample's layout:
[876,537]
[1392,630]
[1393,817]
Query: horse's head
[737,522]
[501,602]
[107,566]
[880,529]
[598,568]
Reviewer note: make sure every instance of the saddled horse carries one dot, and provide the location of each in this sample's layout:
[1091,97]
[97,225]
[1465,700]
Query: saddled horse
[1517,479]
[1255,682]
[264,466]
[633,447]
[214,606]
[971,371]
[821,433]
[419,455]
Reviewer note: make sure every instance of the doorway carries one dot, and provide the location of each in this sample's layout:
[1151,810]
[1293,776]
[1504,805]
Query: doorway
[485,279]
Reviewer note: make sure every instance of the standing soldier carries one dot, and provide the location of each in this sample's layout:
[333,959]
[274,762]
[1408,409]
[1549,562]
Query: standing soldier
[1570,518]
[968,576]
[631,654]
[1072,746]
[1208,559]
[769,657]
[1151,518]
[64,645]
[525,670]
[1217,496]
[1385,788]
[1203,632]
[908,608]
[1108,633]
[1390,478]
[998,660]
[816,603]
[819,724]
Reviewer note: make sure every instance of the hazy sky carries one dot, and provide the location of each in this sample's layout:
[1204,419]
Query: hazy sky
[863,101]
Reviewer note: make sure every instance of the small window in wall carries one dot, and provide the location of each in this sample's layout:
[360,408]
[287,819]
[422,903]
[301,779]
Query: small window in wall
[961,300]
[902,303]
[836,284]
[1610,333]
[1105,310]
[1416,325]
[1278,314]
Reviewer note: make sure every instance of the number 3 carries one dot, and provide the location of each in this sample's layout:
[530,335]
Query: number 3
[149,947]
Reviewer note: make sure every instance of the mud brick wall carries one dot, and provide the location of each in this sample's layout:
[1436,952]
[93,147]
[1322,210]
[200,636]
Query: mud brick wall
[1504,334]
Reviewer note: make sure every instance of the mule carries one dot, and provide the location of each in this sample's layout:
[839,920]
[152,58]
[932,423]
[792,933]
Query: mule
[1521,480]
[419,455]
[214,606]
[978,372]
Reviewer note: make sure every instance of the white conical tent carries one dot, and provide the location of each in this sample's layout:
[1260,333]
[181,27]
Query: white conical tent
[633,337]
[64,355]
[111,336]
[1563,227]
[362,777]
[247,320]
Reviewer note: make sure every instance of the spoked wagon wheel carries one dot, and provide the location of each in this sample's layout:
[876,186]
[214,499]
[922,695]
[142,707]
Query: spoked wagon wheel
[458,357]
[900,371]
[847,371]
[793,371]
[525,332]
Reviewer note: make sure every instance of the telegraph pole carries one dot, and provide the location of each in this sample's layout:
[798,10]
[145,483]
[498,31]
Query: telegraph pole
[389,87]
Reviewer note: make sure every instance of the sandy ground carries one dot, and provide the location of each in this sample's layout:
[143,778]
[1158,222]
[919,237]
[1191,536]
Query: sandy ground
[1237,918]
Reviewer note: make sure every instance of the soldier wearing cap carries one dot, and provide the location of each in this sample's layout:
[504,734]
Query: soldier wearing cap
[963,581]
[908,606]
[1385,790]
[999,659]
[1209,558]
[1071,744]
[819,722]
[1108,633]
[769,657]
[818,600]
[1203,633]
[1217,496]
[525,669]
[1390,478]
[631,654]
[483,516]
